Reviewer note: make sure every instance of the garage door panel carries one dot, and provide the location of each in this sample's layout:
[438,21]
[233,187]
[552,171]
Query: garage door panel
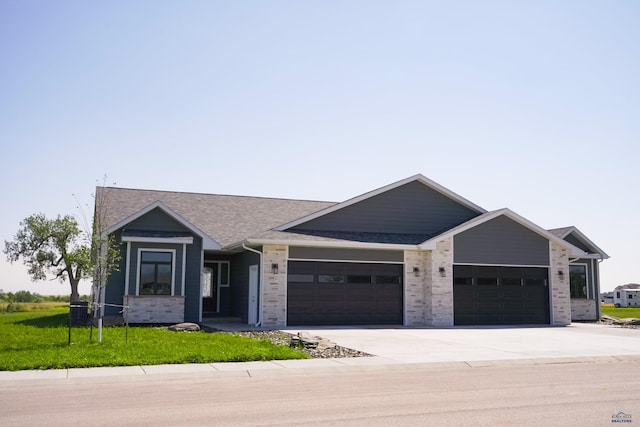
[500,295]
[345,293]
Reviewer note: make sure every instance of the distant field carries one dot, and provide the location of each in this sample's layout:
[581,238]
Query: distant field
[621,313]
[31,306]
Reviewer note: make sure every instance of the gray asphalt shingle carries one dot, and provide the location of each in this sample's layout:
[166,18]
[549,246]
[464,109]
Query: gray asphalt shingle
[226,219]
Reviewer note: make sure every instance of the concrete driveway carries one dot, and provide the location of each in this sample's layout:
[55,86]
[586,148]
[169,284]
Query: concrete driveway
[411,345]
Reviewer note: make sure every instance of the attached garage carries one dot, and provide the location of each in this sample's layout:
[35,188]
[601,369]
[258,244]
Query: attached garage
[492,295]
[341,293]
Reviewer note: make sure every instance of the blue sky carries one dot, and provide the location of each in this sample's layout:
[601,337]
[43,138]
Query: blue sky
[531,105]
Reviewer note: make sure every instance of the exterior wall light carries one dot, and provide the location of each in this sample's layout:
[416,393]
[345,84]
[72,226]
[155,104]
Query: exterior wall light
[274,268]
[561,274]
[442,271]
[416,271]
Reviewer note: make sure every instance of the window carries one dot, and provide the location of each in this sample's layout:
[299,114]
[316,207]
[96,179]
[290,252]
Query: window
[330,278]
[578,280]
[219,273]
[359,279]
[388,280]
[156,273]
[300,278]
[511,281]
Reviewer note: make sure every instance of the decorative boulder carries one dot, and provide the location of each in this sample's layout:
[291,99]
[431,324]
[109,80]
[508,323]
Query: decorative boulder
[185,327]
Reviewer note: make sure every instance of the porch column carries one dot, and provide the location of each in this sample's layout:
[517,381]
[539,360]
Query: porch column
[274,289]
[559,284]
[415,302]
[442,284]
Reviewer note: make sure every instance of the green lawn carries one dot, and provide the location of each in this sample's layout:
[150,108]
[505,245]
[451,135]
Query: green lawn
[621,313]
[39,340]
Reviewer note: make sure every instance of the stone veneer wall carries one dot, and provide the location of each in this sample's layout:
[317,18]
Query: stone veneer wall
[441,288]
[414,288]
[274,289]
[154,309]
[584,309]
[560,293]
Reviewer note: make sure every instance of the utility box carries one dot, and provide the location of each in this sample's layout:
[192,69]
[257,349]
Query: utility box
[79,313]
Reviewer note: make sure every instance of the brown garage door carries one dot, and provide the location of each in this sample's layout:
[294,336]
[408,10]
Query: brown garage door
[334,293]
[486,295]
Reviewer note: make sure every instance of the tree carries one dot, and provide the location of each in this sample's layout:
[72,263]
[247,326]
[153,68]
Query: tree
[52,246]
[105,254]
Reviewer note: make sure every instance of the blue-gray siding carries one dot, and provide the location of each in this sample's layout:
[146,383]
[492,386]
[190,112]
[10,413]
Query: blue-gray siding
[577,243]
[156,220]
[192,281]
[341,254]
[240,283]
[409,209]
[115,288]
[501,241]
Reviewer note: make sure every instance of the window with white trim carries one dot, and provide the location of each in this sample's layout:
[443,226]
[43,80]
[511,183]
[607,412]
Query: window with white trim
[578,280]
[156,272]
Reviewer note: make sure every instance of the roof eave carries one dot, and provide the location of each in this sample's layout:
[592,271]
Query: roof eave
[325,244]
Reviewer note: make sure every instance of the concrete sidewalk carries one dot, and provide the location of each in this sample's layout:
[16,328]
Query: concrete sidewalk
[438,348]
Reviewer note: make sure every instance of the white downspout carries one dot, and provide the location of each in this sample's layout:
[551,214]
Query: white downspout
[261,281]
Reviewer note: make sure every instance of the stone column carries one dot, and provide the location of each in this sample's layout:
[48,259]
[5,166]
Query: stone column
[559,286]
[442,287]
[274,288]
[414,287]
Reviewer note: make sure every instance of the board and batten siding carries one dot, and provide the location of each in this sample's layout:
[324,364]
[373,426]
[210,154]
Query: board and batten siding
[115,287]
[344,254]
[412,208]
[501,241]
[192,278]
[156,220]
[239,285]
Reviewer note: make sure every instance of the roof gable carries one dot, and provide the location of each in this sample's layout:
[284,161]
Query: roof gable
[207,241]
[413,206]
[488,216]
[577,238]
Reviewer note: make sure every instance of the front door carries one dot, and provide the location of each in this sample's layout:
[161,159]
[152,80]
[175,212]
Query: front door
[210,301]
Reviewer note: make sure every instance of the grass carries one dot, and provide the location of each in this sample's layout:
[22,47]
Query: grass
[622,312]
[39,340]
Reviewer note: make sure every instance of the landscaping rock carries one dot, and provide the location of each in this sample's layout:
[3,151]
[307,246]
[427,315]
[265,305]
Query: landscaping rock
[323,348]
[185,327]
[627,322]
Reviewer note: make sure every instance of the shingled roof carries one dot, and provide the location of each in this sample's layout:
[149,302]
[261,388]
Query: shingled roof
[225,219]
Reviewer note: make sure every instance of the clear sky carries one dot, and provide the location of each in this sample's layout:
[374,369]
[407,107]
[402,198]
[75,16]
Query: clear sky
[531,105]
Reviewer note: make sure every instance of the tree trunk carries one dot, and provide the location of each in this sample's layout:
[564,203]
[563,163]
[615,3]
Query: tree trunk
[74,289]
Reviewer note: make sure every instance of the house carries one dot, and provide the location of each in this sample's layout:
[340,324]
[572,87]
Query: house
[606,298]
[626,298]
[411,253]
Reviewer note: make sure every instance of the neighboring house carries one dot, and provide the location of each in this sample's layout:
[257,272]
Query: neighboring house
[626,298]
[412,253]
[606,298]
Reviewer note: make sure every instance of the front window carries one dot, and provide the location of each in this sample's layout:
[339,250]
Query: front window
[156,273]
[578,280]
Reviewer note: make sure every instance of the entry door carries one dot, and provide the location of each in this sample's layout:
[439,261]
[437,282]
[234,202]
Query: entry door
[210,289]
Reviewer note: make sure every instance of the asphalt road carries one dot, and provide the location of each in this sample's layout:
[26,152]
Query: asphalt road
[570,394]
